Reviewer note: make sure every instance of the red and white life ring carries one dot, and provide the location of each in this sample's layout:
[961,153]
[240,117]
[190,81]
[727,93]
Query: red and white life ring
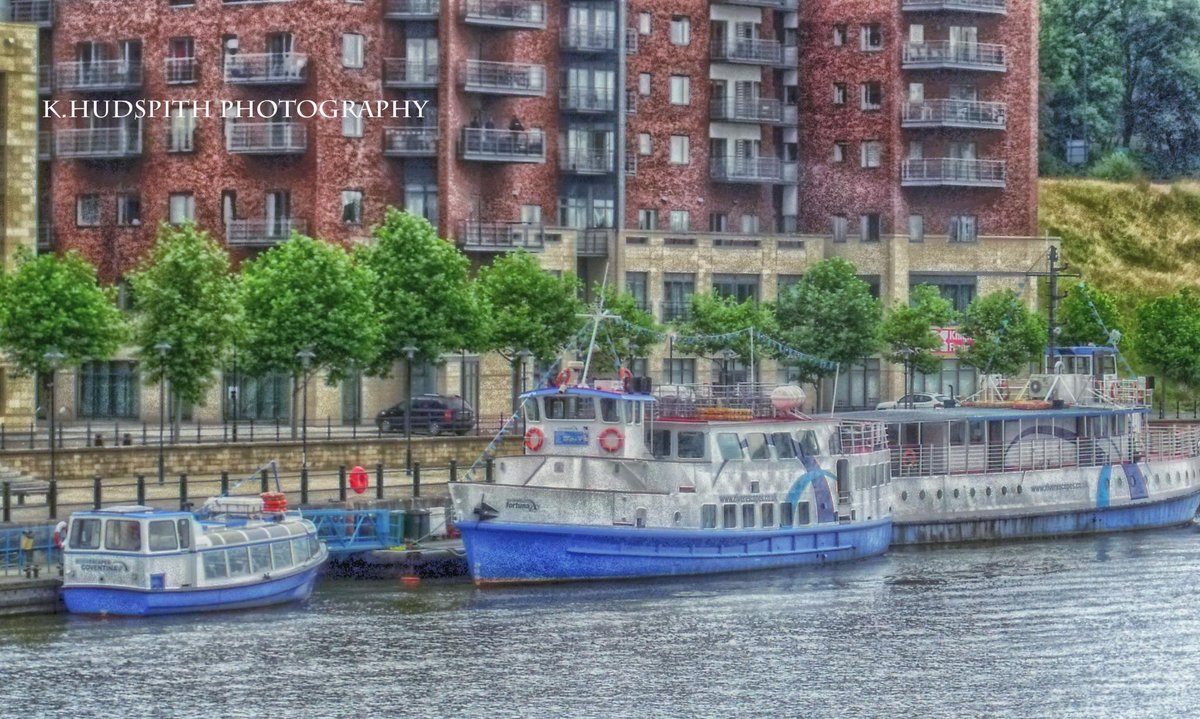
[909,458]
[60,534]
[611,440]
[563,378]
[534,439]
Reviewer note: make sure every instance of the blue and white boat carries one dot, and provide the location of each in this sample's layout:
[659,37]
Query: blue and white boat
[139,561]
[618,484]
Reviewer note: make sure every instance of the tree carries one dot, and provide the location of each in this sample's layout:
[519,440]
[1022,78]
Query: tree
[829,314]
[52,303]
[1086,316]
[712,315]
[531,309]
[420,290]
[185,296]
[907,331]
[1006,335]
[1168,336]
[307,294]
[631,337]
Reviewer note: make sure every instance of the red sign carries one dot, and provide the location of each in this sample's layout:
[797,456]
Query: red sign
[358,480]
[952,341]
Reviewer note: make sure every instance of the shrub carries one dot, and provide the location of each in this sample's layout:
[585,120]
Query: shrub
[1116,166]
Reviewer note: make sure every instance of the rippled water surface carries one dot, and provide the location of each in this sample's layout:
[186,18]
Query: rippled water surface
[1094,627]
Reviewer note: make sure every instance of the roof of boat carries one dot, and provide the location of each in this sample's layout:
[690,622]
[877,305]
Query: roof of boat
[950,414]
[588,392]
[134,511]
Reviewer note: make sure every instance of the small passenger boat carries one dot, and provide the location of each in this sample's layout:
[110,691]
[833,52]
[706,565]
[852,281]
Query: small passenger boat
[139,561]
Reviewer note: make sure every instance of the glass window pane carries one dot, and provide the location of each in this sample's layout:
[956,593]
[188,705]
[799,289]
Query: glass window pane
[281,555]
[123,535]
[708,516]
[690,445]
[729,445]
[756,443]
[260,558]
[162,536]
[729,516]
[785,514]
[239,561]
[85,534]
[214,565]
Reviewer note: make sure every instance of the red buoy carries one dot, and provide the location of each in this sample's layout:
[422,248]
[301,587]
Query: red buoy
[358,480]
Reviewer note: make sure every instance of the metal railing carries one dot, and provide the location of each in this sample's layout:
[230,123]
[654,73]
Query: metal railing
[506,13]
[45,237]
[262,233]
[587,38]
[775,4]
[501,236]
[98,75]
[593,242]
[946,54]
[493,145]
[98,143]
[401,72]
[752,169]
[999,7]
[410,141]
[587,99]
[631,164]
[742,400]
[266,138]
[270,68]
[955,113]
[181,70]
[411,9]
[631,41]
[953,171]
[755,51]
[757,110]
[38,12]
[585,161]
[676,311]
[45,145]
[45,79]
[504,78]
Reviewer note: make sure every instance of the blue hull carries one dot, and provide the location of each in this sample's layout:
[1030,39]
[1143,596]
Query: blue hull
[505,552]
[144,602]
[1167,513]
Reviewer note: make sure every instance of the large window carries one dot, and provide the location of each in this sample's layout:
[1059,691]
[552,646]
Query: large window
[87,210]
[736,286]
[953,377]
[858,386]
[959,289]
[681,30]
[679,370]
[678,288]
[635,285]
[352,50]
[679,149]
[182,208]
[681,90]
[108,390]
[264,398]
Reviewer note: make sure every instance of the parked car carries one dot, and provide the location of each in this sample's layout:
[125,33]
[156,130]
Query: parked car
[919,400]
[429,413]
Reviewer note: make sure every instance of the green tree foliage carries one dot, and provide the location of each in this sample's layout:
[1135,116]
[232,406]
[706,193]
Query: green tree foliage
[1086,315]
[712,314]
[627,342]
[186,297]
[420,290]
[907,330]
[55,303]
[531,309]
[829,314]
[1007,335]
[1168,335]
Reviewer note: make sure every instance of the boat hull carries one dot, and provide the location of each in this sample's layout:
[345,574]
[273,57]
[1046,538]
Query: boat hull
[499,552]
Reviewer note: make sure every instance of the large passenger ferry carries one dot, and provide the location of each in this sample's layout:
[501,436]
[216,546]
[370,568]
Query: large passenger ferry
[616,483]
[1065,452]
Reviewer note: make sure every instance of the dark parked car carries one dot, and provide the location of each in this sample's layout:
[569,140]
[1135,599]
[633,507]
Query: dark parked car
[431,413]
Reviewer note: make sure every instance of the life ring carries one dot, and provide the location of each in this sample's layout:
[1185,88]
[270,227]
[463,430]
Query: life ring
[611,440]
[563,378]
[626,377]
[909,458]
[534,439]
[60,534]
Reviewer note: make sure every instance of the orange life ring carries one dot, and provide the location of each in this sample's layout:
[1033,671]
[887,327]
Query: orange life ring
[909,458]
[534,439]
[611,440]
[563,378]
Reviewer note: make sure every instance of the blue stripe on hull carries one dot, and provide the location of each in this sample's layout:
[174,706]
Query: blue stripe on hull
[506,552]
[143,602]
[1179,510]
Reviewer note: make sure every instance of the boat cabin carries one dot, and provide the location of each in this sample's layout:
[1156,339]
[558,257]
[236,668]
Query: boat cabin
[582,421]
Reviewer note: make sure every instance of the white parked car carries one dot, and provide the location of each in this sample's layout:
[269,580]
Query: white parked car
[918,400]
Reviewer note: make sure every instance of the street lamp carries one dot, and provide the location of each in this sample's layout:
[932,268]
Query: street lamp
[728,354]
[163,348]
[306,357]
[523,356]
[409,352]
[53,358]
[907,353]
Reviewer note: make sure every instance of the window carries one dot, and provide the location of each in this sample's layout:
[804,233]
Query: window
[260,558]
[281,555]
[839,227]
[690,445]
[916,228]
[767,512]
[868,227]
[679,149]
[916,34]
[872,37]
[839,93]
[959,289]
[916,149]
[300,550]
[108,390]
[87,210]
[729,516]
[839,35]
[679,371]
[645,144]
[681,30]
[181,3]
[129,210]
[643,83]
[660,443]
[748,516]
[784,284]
[872,95]
[756,444]
[352,124]
[181,208]
[963,228]
[729,445]
[647,218]
[531,214]
[162,536]
[352,50]
[872,153]
[678,288]
[181,131]
[708,516]
[681,90]
[85,534]
[680,220]
[643,23]
[181,61]
[239,561]
[802,514]
[123,535]
[841,148]
[214,565]
[736,286]
[784,448]
[785,514]
[352,209]
[750,224]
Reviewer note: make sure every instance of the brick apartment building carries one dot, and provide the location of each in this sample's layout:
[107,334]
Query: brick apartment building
[684,145]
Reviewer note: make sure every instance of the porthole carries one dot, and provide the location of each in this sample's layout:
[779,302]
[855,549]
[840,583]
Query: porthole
[972,491]
[989,491]
[939,494]
[922,495]
[956,494]
[678,518]
[904,496]
[1004,491]
[1018,489]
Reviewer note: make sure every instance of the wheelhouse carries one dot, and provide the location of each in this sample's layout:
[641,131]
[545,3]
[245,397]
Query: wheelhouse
[585,422]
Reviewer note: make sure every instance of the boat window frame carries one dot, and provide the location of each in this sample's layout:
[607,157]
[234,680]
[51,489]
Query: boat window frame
[782,440]
[183,528]
[656,448]
[77,532]
[299,542]
[753,453]
[255,567]
[802,442]
[209,560]
[132,543]
[241,562]
[721,438]
[534,404]
[785,513]
[610,407]
[286,546]
[749,515]
[150,538]
[803,514]
[679,443]
[729,515]
[766,514]
[708,516]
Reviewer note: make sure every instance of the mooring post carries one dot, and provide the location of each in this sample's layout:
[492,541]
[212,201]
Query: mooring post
[303,486]
[141,489]
[266,482]
[342,483]
[379,481]
[96,492]
[487,474]
[224,483]
[52,499]
[7,511]
[416,479]
[453,471]
[183,493]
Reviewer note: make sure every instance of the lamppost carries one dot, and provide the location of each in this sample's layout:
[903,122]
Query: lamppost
[53,358]
[409,352]
[907,353]
[524,356]
[306,357]
[728,354]
[163,348]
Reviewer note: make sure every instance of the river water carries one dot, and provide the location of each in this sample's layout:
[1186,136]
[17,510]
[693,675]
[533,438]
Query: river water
[1090,627]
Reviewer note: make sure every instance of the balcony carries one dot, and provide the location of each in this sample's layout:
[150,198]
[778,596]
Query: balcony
[181,70]
[44,145]
[37,12]
[773,4]
[266,138]
[45,237]
[955,113]
[631,41]
[45,79]
[585,161]
[262,233]
[593,242]
[411,9]
[478,236]
[529,14]
[485,145]
[631,159]
[750,51]
[587,99]
[946,55]
[758,170]
[402,73]
[587,38]
[98,143]
[504,78]
[269,68]
[989,7]
[676,311]
[952,172]
[754,110]
[410,141]
[98,75]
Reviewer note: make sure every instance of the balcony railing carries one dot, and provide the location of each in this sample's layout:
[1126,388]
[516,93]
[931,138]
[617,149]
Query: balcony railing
[587,99]
[753,169]
[270,68]
[99,143]
[955,113]
[504,78]
[585,161]
[991,7]
[676,311]
[943,54]
[181,70]
[266,138]
[99,75]
[45,79]
[593,242]
[775,4]
[631,162]
[506,13]
[262,233]
[752,51]
[399,72]
[490,145]
[411,9]
[410,141]
[45,237]
[631,41]
[478,236]
[760,110]
[38,12]
[587,38]
[45,144]
[949,171]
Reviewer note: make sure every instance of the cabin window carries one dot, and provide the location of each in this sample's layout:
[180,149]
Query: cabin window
[162,536]
[214,565]
[747,516]
[803,515]
[809,446]
[730,445]
[123,535]
[689,445]
[570,408]
[185,533]
[958,434]
[281,554]
[784,449]
[634,411]
[756,443]
[785,514]
[239,561]
[314,546]
[975,430]
[729,516]
[608,410]
[85,534]
[530,406]
[708,516]
[300,550]
[260,558]
[767,511]
[660,443]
